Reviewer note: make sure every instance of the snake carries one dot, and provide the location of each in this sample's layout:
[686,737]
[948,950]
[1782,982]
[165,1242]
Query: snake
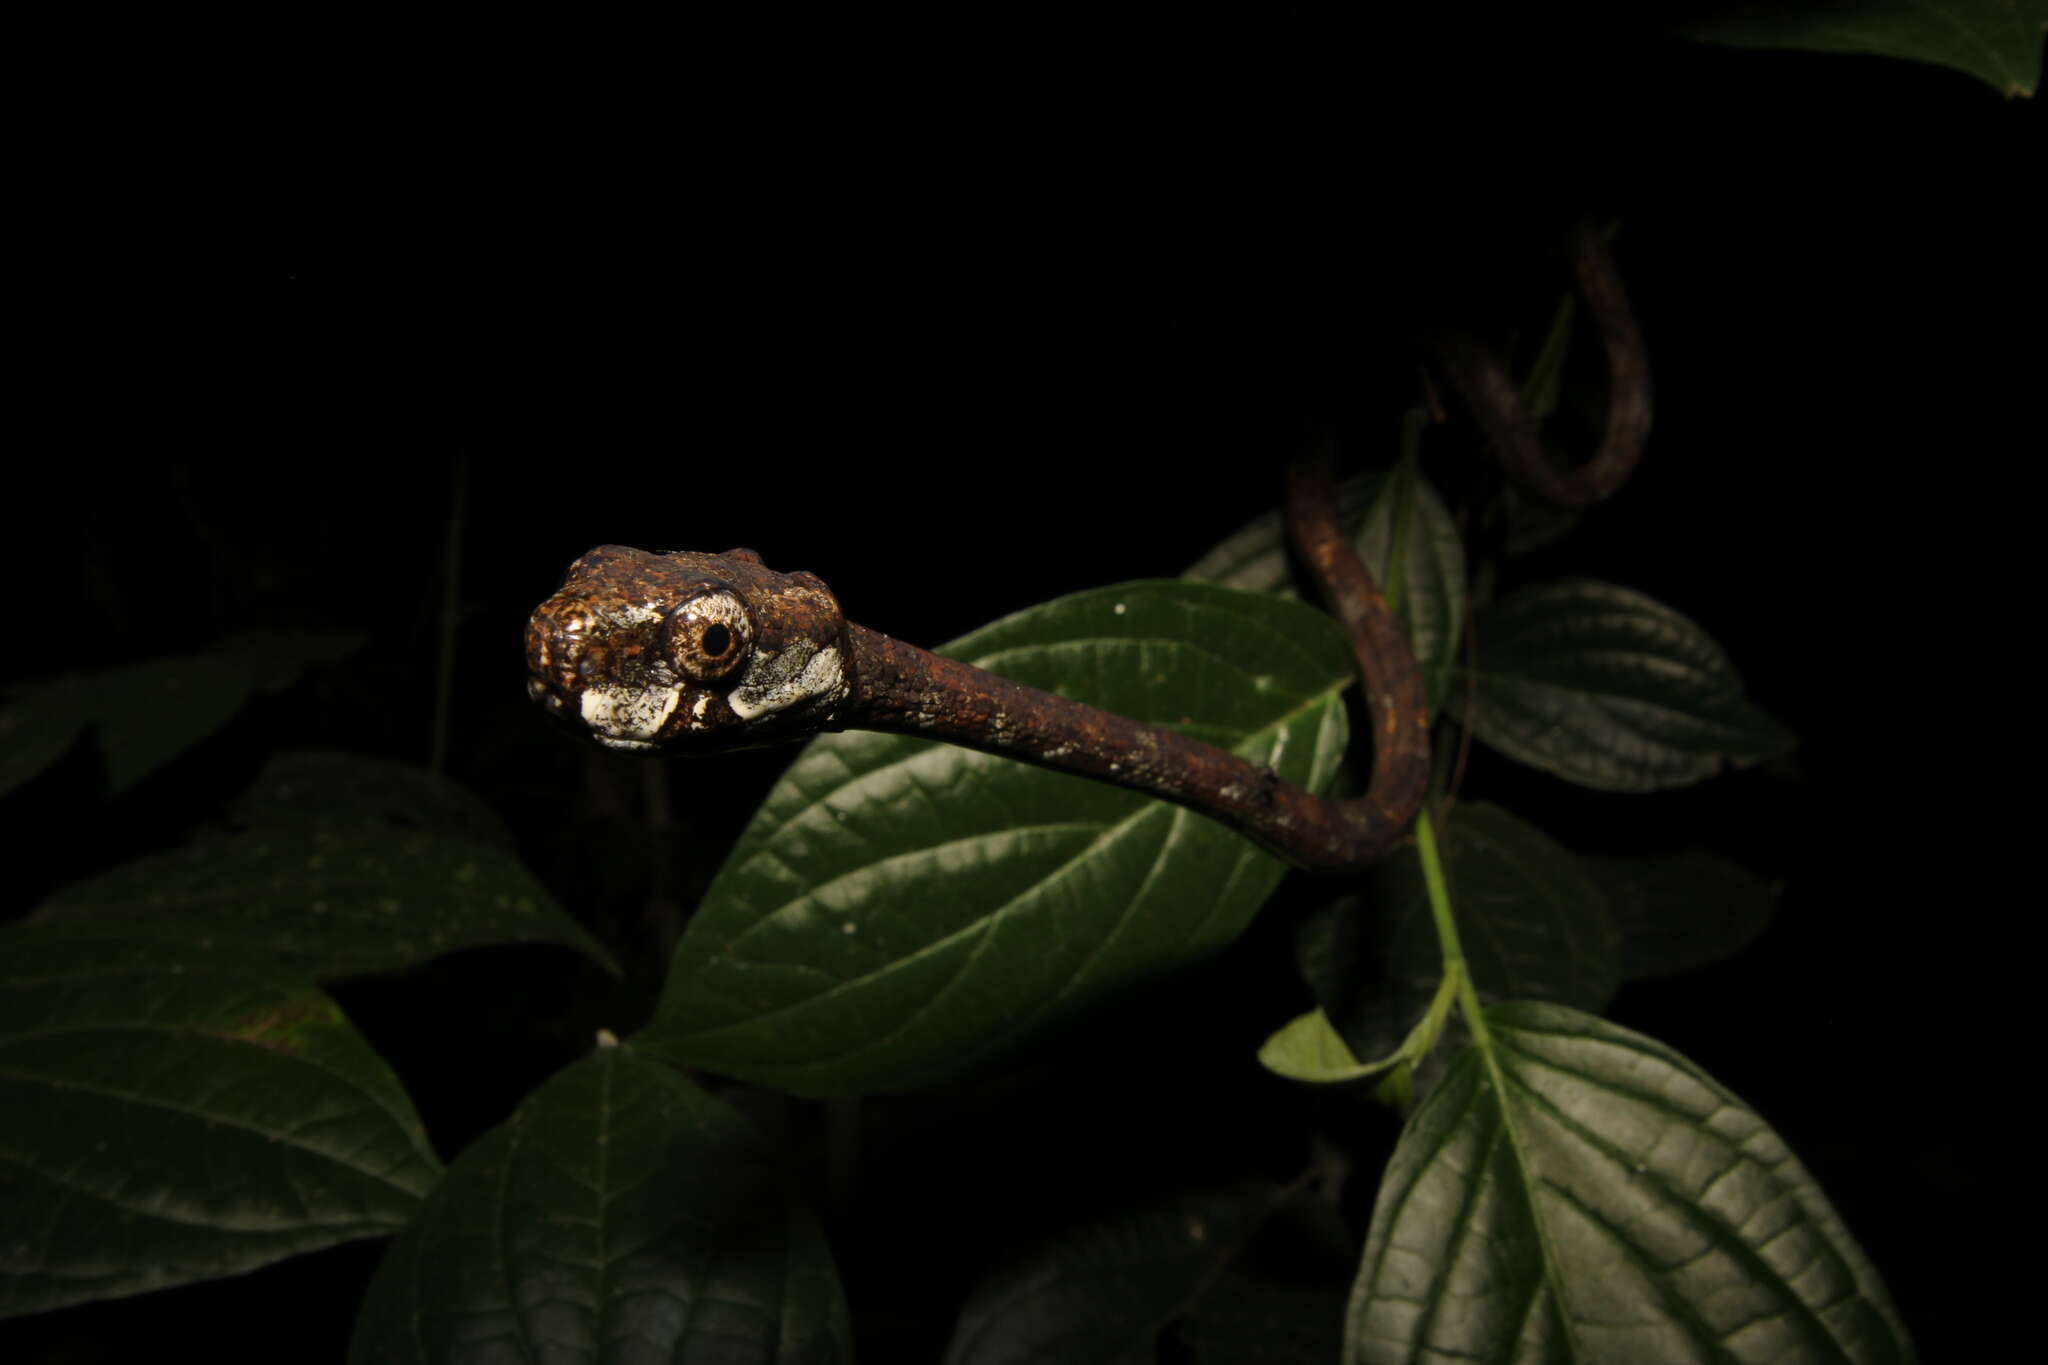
[690,653]
[685,653]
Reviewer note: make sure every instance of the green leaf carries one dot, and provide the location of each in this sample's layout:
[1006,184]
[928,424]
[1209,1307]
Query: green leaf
[1309,1048]
[1100,1291]
[1280,1301]
[1533,924]
[1252,1320]
[274,659]
[1997,41]
[149,713]
[899,910]
[621,1214]
[1607,688]
[1575,1192]
[1532,523]
[179,1115]
[1433,580]
[1543,387]
[1678,911]
[1254,557]
[328,785]
[325,898]
[36,727]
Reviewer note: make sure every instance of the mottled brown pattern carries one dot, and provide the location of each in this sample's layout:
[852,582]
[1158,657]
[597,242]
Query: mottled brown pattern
[606,629]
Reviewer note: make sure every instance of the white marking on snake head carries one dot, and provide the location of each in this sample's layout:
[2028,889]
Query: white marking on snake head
[629,715]
[633,615]
[775,680]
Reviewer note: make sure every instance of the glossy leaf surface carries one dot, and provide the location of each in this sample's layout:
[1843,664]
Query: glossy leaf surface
[1997,41]
[1611,689]
[621,1215]
[1581,1193]
[1534,927]
[325,898]
[1101,1291]
[899,910]
[182,1113]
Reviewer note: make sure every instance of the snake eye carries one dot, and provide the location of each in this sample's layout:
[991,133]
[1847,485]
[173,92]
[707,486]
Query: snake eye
[709,635]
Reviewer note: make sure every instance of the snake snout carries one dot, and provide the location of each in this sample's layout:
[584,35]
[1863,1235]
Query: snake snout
[558,658]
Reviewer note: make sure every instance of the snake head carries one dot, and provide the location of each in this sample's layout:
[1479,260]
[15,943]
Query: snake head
[688,652]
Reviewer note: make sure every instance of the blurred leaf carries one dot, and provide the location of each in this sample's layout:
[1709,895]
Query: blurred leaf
[36,727]
[1678,911]
[1608,688]
[1533,523]
[1433,579]
[150,712]
[325,898]
[1997,41]
[274,659]
[182,1113]
[1100,1291]
[328,785]
[1251,1320]
[1578,1192]
[621,1214]
[899,910]
[1533,924]
[1543,386]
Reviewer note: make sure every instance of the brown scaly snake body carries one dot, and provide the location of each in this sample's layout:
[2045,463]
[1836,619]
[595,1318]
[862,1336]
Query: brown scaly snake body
[693,653]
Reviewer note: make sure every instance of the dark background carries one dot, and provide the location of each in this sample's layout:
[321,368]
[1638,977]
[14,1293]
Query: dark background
[966,316]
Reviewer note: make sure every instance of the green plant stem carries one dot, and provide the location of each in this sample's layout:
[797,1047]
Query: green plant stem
[1447,928]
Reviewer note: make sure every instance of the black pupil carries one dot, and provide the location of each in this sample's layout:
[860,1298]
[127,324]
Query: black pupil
[717,639]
